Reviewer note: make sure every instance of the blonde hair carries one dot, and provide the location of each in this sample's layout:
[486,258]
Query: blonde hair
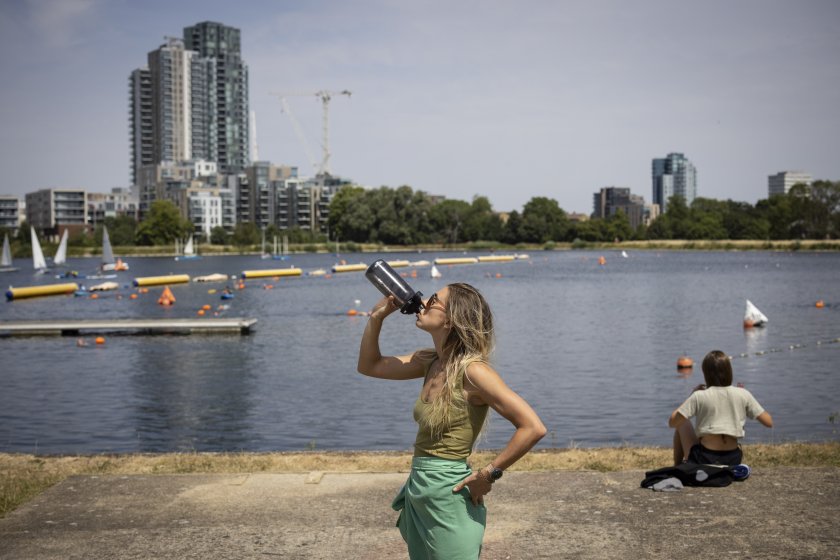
[471,339]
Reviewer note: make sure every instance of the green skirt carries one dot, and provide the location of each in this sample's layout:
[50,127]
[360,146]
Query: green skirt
[435,522]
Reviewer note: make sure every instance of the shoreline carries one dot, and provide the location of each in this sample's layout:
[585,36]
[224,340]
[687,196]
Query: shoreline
[24,476]
[348,249]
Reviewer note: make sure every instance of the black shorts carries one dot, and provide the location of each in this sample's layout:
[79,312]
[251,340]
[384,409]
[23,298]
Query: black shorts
[702,456]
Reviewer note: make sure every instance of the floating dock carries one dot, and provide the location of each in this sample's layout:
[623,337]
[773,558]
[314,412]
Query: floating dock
[137,326]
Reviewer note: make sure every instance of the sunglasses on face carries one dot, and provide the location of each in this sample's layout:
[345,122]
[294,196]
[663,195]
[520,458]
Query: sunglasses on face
[434,301]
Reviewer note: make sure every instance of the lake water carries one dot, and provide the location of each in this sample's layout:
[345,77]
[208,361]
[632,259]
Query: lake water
[593,349]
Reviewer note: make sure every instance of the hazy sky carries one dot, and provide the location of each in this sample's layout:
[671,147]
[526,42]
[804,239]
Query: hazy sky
[506,99]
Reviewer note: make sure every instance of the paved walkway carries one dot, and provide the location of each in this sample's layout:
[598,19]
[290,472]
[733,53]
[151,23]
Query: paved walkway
[777,513]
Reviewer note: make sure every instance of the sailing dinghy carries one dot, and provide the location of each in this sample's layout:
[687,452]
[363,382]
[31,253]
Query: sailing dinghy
[189,252]
[61,255]
[6,261]
[753,317]
[39,263]
[108,261]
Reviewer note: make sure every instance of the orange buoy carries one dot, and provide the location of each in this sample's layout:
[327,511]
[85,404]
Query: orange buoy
[205,307]
[684,362]
[133,296]
[352,312]
[820,304]
[166,298]
[100,340]
[201,312]
[602,261]
[498,275]
[94,296]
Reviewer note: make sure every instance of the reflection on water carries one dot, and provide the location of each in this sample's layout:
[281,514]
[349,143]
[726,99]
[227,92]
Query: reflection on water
[184,403]
[592,347]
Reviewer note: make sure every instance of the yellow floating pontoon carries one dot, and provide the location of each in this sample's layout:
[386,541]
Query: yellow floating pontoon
[271,272]
[496,258]
[349,267]
[160,280]
[398,264]
[37,291]
[464,260]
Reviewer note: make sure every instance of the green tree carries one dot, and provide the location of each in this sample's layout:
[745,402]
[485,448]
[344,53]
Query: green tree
[619,227]
[246,234]
[122,230]
[511,230]
[448,217]
[218,236]
[543,220]
[482,223]
[162,226]
[341,223]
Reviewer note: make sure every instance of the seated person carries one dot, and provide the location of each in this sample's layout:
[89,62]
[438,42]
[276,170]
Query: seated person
[720,411]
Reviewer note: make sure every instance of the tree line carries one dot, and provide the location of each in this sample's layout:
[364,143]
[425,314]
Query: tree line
[403,216]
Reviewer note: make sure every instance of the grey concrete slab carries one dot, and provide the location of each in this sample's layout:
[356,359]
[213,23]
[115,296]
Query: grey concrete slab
[777,513]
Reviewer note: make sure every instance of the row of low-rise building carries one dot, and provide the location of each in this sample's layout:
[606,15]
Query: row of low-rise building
[263,194]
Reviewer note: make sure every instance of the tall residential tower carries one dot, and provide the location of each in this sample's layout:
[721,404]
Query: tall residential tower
[673,175]
[191,102]
[221,47]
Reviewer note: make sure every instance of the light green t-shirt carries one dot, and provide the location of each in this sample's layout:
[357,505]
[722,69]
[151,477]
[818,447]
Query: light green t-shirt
[721,410]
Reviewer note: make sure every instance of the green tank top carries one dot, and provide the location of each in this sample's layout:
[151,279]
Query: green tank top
[458,440]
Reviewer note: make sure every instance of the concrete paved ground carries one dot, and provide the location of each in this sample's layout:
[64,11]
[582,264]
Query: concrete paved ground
[777,513]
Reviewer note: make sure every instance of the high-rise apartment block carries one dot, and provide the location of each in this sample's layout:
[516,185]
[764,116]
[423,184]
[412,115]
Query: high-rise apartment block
[227,84]
[190,103]
[781,182]
[610,200]
[673,175]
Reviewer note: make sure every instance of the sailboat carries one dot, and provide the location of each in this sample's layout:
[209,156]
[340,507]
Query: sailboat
[6,261]
[39,263]
[284,249]
[61,255]
[263,254]
[190,253]
[753,317]
[108,261]
[435,273]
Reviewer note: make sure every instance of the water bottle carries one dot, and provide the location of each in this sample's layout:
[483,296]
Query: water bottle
[390,283]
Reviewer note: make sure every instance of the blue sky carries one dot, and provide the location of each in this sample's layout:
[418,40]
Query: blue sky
[505,99]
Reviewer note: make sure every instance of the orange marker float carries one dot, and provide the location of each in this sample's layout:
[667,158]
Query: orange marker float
[684,363]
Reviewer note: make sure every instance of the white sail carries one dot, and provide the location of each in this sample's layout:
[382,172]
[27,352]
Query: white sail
[7,253]
[61,254]
[753,317]
[38,261]
[107,251]
[189,250]
[435,272]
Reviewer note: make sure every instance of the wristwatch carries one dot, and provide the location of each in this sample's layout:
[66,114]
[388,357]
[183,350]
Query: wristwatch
[493,474]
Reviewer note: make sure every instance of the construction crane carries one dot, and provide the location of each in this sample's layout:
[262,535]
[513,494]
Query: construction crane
[325,97]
